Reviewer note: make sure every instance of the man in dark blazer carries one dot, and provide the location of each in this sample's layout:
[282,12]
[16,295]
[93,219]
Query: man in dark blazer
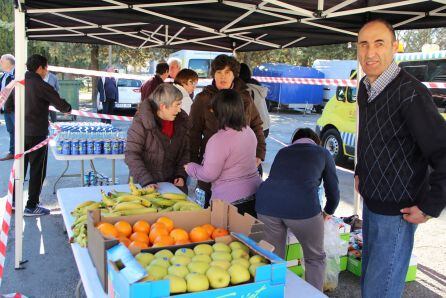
[7,63]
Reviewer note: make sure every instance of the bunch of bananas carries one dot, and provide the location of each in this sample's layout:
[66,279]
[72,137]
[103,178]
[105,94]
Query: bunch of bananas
[137,201]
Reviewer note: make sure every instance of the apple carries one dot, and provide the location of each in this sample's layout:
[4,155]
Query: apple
[178,270]
[197,282]
[144,258]
[219,246]
[253,268]
[164,254]
[164,262]
[239,274]
[202,258]
[219,255]
[203,249]
[240,253]
[156,272]
[185,252]
[244,262]
[257,259]
[198,267]
[218,277]
[177,284]
[221,263]
[237,244]
[181,260]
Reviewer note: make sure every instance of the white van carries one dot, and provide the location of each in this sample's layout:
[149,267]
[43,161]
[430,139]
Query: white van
[129,95]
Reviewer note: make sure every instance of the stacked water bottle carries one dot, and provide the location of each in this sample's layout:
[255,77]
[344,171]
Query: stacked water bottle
[87,138]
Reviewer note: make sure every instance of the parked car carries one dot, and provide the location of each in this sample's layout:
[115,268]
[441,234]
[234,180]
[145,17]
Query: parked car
[129,95]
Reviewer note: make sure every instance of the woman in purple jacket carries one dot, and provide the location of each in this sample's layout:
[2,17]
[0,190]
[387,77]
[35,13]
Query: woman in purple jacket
[229,161]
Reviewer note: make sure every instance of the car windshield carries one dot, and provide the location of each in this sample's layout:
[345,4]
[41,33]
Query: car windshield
[129,83]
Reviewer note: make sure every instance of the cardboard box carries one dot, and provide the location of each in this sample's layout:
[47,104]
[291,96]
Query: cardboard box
[220,214]
[269,280]
[355,267]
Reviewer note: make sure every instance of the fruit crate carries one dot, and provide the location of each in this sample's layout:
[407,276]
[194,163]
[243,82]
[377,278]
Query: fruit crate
[269,280]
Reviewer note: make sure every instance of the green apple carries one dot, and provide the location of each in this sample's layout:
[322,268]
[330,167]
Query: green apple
[219,255]
[239,253]
[202,258]
[237,244]
[164,254]
[144,258]
[257,259]
[156,272]
[219,246]
[181,260]
[178,270]
[185,252]
[244,262]
[222,264]
[198,267]
[239,274]
[177,284]
[203,249]
[197,282]
[164,262]
[218,277]
[253,268]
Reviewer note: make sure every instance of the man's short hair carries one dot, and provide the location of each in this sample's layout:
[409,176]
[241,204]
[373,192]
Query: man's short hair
[174,60]
[162,68]
[228,108]
[221,61]
[9,58]
[385,23]
[306,132]
[35,61]
[185,75]
[165,94]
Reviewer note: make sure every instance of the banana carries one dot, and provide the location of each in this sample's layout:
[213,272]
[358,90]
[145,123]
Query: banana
[190,208]
[168,209]
[83,210]
[152,195]
[163,202]
[174,196]
[116,194]
[138,211]
[133,189]
[186,206]
[108,201]
[84,204]
[147,190]
[113,214]
[145,203]
[80,219]
[127,206]
[127,198]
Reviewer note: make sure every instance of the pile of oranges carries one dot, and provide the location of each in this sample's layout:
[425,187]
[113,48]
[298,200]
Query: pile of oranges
[161,233]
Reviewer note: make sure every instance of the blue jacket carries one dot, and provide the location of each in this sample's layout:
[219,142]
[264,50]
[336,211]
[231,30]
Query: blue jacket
[291,190]
[108,90]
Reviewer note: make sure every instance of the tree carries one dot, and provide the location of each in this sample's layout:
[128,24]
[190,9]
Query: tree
[6,27]
[413,40]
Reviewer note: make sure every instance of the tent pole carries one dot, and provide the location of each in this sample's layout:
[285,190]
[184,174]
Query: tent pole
[357,197]
[20,56]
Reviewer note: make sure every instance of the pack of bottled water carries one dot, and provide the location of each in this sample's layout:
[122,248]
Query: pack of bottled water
[90,138]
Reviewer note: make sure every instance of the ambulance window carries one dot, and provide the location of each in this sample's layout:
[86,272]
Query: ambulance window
[201,66]
[340,93]
[418,71]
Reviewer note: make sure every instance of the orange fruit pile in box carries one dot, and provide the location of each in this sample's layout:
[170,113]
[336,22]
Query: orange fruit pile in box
[160,233]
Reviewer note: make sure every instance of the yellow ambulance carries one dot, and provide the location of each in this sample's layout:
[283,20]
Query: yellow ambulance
[337,124]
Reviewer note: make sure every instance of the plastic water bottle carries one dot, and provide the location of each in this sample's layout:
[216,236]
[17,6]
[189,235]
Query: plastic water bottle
[200,197]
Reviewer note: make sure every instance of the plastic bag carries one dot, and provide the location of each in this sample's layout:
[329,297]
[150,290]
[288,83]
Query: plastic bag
[334,246]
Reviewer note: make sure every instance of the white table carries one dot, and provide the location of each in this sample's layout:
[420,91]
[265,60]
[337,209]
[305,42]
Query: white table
[70,197]
[82,158]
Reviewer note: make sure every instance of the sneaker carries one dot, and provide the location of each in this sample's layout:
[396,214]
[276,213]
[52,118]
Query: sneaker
[36,211]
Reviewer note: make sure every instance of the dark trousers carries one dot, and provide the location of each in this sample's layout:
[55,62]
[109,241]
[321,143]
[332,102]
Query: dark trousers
[9,121]
[108,107]
[37,172]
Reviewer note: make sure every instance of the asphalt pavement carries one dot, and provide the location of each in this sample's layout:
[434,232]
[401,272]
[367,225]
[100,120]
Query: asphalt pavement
[51,270]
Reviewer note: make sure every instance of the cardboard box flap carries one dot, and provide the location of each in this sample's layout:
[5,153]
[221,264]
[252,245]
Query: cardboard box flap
[260,250]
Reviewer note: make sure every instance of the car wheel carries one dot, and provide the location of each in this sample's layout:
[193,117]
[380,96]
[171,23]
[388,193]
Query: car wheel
[331,140]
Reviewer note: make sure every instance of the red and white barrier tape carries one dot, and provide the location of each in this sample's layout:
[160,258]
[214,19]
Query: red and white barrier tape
[14,295]
[96,115]
[6,220]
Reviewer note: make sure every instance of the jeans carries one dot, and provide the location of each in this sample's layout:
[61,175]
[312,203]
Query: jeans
[9,121]
[387,247]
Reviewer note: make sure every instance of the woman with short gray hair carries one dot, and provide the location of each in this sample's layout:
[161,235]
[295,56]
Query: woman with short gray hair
[158,139]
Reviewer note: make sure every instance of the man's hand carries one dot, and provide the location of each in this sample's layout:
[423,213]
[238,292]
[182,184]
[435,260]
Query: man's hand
[154,185]
[178,182]
[414,215]
[258,162]
[357,183]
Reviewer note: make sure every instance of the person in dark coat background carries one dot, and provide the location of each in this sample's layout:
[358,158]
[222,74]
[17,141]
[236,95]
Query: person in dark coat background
[162,72]
[7,63]
[108,94]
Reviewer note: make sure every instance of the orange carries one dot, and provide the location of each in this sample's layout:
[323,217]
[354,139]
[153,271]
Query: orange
[141,226]
[140,237]
[182,241]
[198,234]
[209,228]
[157,232]
[219,232]
[158,225]
[124,228]
[138,245]
[167,222]
[108,230]
[164,239]
[124,240]
[159,244]
[179,234]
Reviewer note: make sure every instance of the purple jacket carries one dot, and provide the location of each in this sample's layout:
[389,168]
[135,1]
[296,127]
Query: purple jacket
[229,164]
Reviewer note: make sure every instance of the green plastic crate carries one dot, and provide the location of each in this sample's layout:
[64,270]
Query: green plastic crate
[294,252]
[343,263]
[354,266]
[298,270]
[69,90]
